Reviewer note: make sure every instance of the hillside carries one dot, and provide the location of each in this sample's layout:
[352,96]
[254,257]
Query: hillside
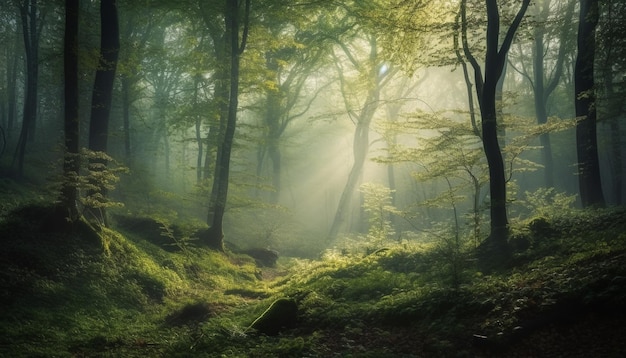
[129,292]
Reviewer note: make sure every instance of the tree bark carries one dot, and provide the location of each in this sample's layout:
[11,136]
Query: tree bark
[105,76]
[198,127]
[215,235]
[589,180]
[217,126]
[71,164]
[540,106]
[28,14]
[273,116]
[360,145]
[12,86]
[103,84]
[543,90]
[126,105]
[495,58]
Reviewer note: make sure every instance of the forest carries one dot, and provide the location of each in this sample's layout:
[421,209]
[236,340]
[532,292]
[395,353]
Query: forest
[312,178]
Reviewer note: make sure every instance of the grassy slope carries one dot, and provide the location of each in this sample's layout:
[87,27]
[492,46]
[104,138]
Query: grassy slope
[66,295]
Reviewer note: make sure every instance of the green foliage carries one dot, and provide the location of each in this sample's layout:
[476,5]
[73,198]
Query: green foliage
[64,295]
[140,300]
[377,205]
[549,203]
[101,176]
[15,195]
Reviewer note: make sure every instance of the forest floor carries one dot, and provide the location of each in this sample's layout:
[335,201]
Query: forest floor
[143,289]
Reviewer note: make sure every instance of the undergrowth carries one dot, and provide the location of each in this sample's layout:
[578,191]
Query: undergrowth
[144,289]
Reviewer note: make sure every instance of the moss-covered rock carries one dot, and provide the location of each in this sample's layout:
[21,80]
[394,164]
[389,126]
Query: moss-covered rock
[282,314]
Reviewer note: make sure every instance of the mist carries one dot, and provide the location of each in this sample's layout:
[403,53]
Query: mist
[263,178]
[328,102]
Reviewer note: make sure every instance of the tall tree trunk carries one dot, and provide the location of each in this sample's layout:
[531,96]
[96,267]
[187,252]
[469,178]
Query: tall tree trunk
[103,84]
[198,130]
[360,145]
[614,102]
[12,86]
[540,105]
[102,95]
[589,181]
[217,130]
[500,107]
[496,244]
[272,120]
[28,14]
[126,104]
[215,235]
[71,164]
[613,112]
[542,86]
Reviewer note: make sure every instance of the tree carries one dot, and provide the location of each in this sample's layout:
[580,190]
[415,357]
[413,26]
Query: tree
[373,71]
[550,46]
[164,73]
[31,30]
[495,58]
[292,58]
[611,63]
[12,42]
[136,30]
[542,86]
[102,95]
[71,163]
[214,237]
[218,118]
[589,181]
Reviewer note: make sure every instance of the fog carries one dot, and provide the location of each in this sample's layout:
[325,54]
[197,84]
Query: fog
[319,86]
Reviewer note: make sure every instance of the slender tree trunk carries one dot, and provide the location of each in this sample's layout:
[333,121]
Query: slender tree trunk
[28,13]
[166,154]
[613,113]
[198,128]
[496,244]
[217,130]
[217,126]
[614,102]
[497,181]
[589,181]
[494,63]
[273,152]
[71,164]
[360,147]
[542,86]
[12,87]
[126,104]
[540,105]
[272,120]
[617,169]
[215,235]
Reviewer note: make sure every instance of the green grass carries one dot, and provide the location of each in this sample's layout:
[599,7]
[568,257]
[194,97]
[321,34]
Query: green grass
[129,292]
[107,292]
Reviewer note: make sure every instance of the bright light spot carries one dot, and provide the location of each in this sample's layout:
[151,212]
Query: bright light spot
[383,69]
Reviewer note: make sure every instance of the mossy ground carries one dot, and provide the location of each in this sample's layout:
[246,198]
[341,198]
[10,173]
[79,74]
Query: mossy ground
[122,292]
